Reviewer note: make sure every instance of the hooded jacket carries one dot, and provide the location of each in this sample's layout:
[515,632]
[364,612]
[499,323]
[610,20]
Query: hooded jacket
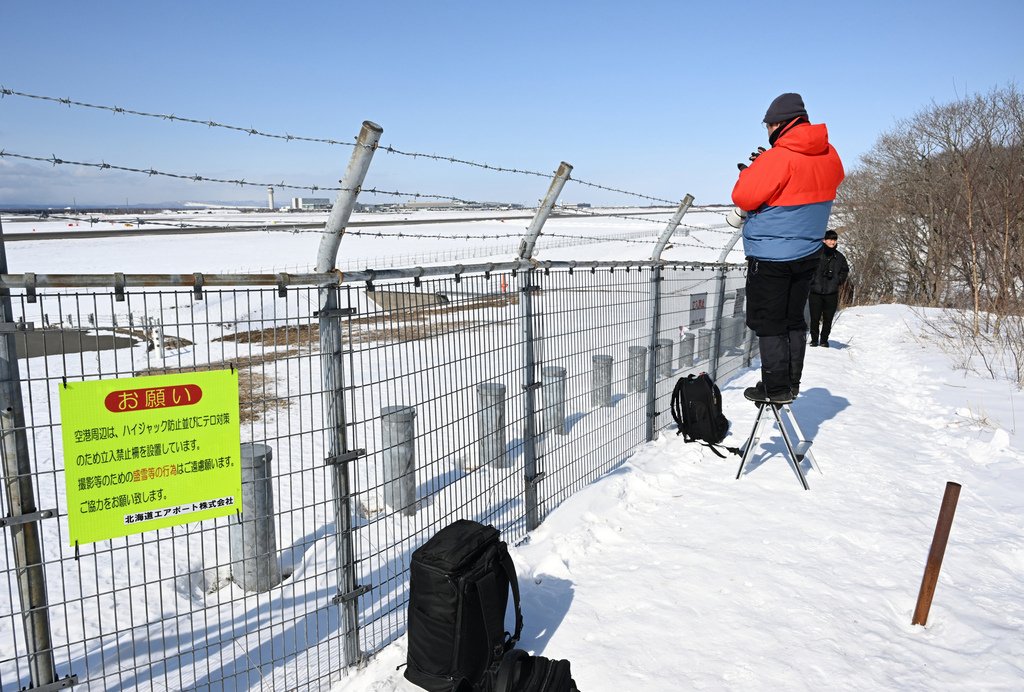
[787,193]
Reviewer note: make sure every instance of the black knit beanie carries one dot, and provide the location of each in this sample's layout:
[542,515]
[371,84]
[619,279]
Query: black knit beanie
[784,108]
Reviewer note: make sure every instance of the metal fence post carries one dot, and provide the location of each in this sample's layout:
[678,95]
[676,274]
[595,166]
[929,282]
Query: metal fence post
[398,440]
[601,381]
[655,292]
[717,336]
[553,395]
[333,374]
[530,383]
[21,502]
[253,540]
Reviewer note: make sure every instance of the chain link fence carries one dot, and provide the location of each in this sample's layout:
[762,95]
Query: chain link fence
[380,407]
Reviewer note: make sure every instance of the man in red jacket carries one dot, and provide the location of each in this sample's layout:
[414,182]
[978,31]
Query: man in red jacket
[787,192]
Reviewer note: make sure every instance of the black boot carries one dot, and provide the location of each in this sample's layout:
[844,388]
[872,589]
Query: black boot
[797,349]
[774,386]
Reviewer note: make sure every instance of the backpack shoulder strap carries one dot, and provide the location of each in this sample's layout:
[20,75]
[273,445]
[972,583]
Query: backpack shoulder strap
[714,448]
[490,599]
[508,671]
[513,580]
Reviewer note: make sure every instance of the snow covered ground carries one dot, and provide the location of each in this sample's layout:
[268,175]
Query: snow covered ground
[670,574]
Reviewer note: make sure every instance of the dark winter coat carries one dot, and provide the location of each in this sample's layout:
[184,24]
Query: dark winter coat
[832,272]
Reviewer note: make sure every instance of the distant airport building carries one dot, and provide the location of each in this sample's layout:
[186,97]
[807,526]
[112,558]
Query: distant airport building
[310,203]
[270,198]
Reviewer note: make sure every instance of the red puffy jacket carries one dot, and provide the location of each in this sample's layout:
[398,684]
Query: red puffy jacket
[788,193]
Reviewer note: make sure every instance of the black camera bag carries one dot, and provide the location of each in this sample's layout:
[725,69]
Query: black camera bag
[521,672]
[458,592]
[697,411]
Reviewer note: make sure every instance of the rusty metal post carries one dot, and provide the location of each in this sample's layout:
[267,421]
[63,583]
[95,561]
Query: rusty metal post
[938,549]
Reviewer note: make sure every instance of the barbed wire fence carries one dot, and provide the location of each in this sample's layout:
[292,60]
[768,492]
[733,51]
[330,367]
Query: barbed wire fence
[332,356]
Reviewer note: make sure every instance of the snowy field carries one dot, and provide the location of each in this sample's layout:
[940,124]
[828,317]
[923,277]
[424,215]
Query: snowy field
[363,247]
[671,574]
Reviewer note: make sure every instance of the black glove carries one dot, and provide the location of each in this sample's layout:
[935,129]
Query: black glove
[755,154]
[741,166]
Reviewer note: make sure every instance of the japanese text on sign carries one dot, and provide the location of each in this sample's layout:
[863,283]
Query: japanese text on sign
[149,452]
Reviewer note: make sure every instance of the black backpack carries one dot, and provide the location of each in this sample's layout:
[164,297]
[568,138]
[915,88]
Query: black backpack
[697,410]
[458,592]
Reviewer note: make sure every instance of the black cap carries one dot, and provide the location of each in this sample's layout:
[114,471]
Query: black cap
[831,235]
[784,108]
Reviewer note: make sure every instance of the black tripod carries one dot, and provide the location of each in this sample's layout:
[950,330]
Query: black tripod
[790,430]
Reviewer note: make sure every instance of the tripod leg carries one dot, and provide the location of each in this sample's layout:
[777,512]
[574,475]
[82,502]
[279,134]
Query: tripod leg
[752,440]
[793,461]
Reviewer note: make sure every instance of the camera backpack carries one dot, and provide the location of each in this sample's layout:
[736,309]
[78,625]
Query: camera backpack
[697,411]
[458,592]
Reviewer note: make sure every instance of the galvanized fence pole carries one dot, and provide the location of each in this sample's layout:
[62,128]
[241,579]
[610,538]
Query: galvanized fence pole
[530,380]
[21,503]
[330,318]
[716,345]
[655,292]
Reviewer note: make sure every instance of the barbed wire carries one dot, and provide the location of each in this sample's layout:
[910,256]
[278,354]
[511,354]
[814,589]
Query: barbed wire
[171,117]
[56,161]
[251,131]
[171,225]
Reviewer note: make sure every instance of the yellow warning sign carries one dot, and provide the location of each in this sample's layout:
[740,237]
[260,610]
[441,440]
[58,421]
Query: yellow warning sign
[145,453]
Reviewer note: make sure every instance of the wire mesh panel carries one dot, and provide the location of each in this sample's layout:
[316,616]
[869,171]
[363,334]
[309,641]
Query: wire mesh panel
[447,411]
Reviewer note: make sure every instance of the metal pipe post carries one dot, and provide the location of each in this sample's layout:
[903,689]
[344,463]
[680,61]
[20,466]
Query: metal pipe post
[398,436]
[935,554]
[717,335]
[333,369]
[529,241]
[345,202]
[491,444]
[553,395]
[253,540]
[655,326]
[636,376]
[530,385]
[664,357]
[705,342]
[686,349]
[601,381]
[17,476]
[673,223]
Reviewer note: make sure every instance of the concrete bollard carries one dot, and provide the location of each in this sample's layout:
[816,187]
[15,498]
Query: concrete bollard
[253,541]
[664,357]
[705,337]
[398,435]
[492,447]
[601,381]
[686,344]
[553,398]
[637,373]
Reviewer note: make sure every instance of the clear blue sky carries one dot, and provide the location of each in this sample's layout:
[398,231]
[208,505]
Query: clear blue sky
[662,98]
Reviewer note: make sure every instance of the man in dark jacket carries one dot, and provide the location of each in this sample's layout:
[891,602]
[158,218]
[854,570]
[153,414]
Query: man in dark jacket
[787,192]
[832,272]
